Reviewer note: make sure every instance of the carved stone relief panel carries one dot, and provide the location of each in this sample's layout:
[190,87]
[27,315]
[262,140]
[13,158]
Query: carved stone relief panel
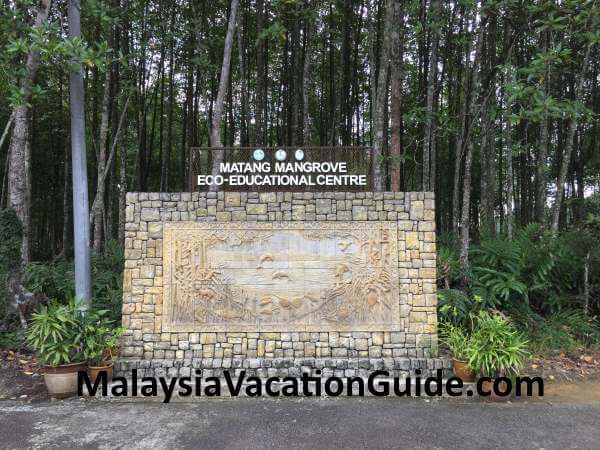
[280,276]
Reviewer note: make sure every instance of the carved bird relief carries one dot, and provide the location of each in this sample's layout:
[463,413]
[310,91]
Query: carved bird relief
[280,275]
[267,257]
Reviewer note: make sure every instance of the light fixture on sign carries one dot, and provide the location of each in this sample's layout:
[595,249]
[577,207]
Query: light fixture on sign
[258,154]
[280,155]
[299,154]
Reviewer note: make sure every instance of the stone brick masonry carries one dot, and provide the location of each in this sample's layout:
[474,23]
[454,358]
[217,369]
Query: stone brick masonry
[145,346]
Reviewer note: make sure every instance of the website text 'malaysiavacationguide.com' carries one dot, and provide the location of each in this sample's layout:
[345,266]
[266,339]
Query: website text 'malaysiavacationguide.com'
[378,383]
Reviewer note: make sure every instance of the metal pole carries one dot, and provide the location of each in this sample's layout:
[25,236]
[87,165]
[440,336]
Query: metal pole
[81,223]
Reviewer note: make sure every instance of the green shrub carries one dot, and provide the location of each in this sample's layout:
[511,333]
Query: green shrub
[56,279]
[496,348]
[13,340]
[566,330]
[497,265]
[457,307]
[60,334]
[99,334]
[55,333]
[456,339]
[449,271]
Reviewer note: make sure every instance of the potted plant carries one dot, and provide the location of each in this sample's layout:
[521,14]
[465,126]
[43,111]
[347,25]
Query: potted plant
[496,349]
[457,340]
[100,338]
[55,336]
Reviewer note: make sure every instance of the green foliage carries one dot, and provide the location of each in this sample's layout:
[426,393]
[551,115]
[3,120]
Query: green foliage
[56,279]
[12,340]
[497,265]
[534,268]
[566,330]
[457,307]
[11,234]
[55,333]
[99,334]
[448,263]
[456,339]
[495,346]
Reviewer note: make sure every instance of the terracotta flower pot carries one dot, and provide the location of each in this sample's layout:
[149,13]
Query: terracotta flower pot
[61,381]
[488,386]
[463,371]
[95,371]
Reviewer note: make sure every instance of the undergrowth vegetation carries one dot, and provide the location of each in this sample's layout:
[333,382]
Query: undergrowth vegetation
[56,279]
[547,285]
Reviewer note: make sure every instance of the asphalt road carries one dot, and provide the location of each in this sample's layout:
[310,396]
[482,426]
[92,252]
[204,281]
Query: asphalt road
[299,423]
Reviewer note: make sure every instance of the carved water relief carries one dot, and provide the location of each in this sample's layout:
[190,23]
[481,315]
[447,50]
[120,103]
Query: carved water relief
[281,276]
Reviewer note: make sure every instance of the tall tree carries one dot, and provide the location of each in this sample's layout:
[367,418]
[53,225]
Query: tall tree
[261,74]
[569,142]
[98,209]
[542,160]
[215,134]
[379,124]
[465,220]
[19,152]
[429,141]
[396,99]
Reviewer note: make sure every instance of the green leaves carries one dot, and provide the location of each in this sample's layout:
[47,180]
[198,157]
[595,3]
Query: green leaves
[59,334]
[456,339]
[495,346]
[55,333]
[56,279]
[99,334]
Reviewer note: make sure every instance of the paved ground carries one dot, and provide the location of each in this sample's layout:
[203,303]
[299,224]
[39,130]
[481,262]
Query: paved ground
[299,423]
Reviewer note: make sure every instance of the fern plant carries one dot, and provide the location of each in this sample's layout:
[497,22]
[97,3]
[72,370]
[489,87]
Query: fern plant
[457,307]
[56,279]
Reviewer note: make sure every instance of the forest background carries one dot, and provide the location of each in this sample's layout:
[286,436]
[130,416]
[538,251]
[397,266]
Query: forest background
[491,104]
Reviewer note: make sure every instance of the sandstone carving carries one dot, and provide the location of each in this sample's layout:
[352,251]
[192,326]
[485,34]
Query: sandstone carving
[280,276]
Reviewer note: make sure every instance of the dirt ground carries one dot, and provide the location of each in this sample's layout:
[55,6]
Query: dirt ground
[20,378]
[583,364]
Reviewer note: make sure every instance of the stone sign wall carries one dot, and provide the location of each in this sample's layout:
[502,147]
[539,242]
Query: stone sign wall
[279,282]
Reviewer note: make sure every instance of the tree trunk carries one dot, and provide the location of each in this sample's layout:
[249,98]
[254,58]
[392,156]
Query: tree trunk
[166,156]
[396,99]
[540,193]
[215,139]
[487,152]
[19,151]
[465,222]
[306,71]
[564,167]
[261,76]
[378,121]
[98,206]
[122,184]
[509,164]
[244,112]
[458,154]
[428,182]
